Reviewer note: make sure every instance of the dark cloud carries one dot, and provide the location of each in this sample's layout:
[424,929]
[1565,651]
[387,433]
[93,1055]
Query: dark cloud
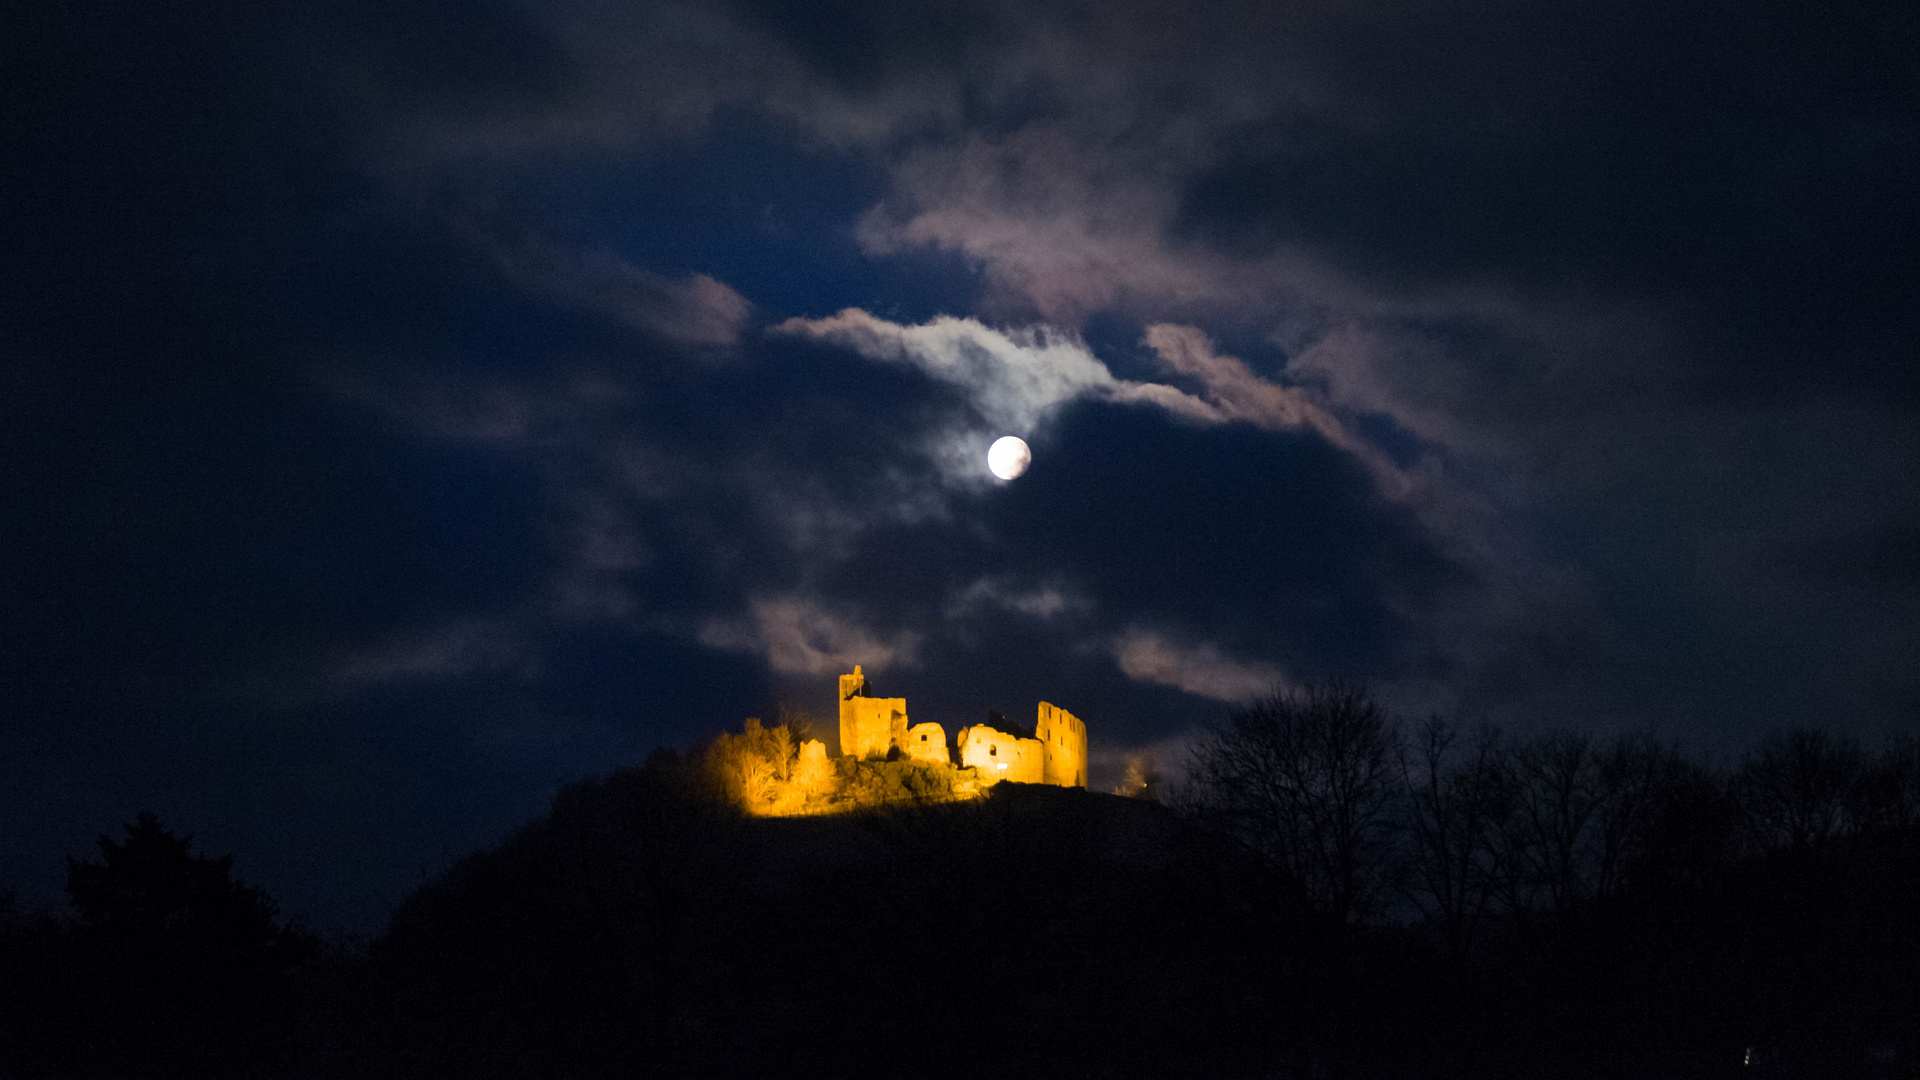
[1740,169]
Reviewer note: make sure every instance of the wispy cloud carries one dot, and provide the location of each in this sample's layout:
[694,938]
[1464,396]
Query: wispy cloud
[1062,221]
[1015,378]
[1236,393]
[804,636]
[696,313]
[600,551]
[447,651]
[1039,602]
[1202,669]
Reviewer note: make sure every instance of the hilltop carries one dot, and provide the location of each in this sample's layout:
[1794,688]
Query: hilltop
[637,926]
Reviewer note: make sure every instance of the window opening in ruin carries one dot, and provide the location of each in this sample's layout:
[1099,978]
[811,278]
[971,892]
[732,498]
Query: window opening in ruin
[993,751]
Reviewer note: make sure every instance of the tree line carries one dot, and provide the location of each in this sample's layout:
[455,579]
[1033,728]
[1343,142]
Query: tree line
[1585,905]
[1462,828]
[1328,890]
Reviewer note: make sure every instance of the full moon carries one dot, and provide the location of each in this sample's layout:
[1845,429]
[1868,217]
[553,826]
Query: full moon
[1008,457]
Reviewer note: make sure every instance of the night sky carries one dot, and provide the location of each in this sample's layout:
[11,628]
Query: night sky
[407,409]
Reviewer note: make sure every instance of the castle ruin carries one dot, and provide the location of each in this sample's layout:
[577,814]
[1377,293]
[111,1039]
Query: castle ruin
[884,758]
[871,726]
[874,727]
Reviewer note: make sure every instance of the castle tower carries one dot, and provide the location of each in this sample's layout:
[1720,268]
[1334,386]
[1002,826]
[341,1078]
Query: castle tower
[851,686]
[869,726]
[1063,739]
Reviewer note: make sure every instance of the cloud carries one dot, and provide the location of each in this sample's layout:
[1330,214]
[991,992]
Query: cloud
[601,549]
[1043,602]
[1236,393]
[1064,220]
[1556,354]
[448,651]
[802,636]
[696,313]
[1201,670]
[1015,378]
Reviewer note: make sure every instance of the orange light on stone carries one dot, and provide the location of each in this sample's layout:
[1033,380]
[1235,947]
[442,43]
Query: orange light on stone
[806,781]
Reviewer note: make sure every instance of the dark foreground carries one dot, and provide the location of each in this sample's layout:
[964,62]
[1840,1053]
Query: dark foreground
[640,929]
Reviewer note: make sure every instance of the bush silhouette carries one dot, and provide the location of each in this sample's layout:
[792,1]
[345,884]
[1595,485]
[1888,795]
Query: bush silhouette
[173,967]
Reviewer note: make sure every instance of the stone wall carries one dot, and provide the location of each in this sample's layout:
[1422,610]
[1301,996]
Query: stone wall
[1063,738]
[869,727]
[1000,756]
[872,727]
[928,743]
[875,726]
[851,687]
[812,772]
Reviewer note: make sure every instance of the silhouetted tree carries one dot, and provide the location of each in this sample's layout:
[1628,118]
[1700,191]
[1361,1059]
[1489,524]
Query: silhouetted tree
[1802,789]
[1582,809]
[178,968]
[1460,800]
[18,978]
[1550,838]
[1307,779]
[1635,775]
[1691,833]
[1892,789]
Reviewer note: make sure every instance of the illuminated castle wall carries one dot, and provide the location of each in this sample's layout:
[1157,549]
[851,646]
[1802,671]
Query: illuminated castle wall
[872,727]
[1063,740]
[885,760]
[928,743]
[1001,756]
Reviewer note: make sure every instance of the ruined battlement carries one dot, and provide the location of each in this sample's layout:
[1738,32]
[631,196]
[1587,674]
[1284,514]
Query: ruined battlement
[885,758]
[1063,738]
[869,726]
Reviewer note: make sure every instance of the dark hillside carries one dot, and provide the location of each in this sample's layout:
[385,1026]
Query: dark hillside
[642,927]
[1039,930]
